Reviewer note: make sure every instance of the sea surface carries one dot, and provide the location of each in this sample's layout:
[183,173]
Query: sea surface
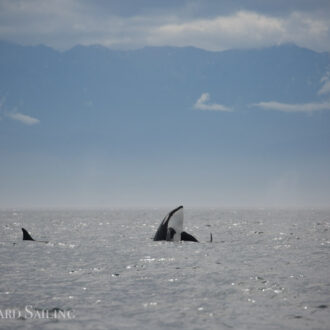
[265,269]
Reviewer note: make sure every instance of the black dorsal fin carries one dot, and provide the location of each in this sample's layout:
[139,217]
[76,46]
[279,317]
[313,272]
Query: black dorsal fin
[26,235]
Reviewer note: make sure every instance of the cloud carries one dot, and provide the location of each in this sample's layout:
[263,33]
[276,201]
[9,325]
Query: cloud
[240,30]
[209,25]
[202,104]
[301,107]
[285,107]
[325,89]
[25,119]
[246,29]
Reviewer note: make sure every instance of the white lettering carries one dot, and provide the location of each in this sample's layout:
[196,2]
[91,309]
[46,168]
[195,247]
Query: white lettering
[28,312]
[8,313]
[18,312]
[70,316]
[37,315]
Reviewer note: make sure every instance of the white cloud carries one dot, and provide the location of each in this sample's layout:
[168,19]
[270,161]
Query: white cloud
[286,107]
[65,23]
[246,29]
[325,89]
[203,104]
[240,30]
[25,119]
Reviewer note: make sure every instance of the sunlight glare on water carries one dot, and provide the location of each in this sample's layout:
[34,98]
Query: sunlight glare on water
[265,269]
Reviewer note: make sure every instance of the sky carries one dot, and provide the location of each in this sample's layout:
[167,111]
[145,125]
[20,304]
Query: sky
[92,179]
[128,24]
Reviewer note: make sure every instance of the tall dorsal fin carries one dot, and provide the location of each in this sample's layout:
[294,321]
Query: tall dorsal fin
[26,235]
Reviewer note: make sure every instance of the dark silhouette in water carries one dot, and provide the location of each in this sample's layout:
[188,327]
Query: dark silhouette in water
[28,237]
[171,228]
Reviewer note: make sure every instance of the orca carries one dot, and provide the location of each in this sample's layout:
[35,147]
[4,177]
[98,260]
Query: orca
[28,237]
[171,228]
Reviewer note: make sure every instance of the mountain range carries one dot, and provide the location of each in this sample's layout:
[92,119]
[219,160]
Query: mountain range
[165,105]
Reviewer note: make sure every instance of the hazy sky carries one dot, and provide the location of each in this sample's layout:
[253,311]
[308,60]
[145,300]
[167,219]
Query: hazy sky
[127,24]
[267,173]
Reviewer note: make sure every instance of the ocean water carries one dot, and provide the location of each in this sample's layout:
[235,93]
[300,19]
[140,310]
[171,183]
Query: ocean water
[265,269]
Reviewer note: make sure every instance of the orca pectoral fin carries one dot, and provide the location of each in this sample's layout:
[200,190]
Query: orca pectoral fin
[176,216]
[187,237]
